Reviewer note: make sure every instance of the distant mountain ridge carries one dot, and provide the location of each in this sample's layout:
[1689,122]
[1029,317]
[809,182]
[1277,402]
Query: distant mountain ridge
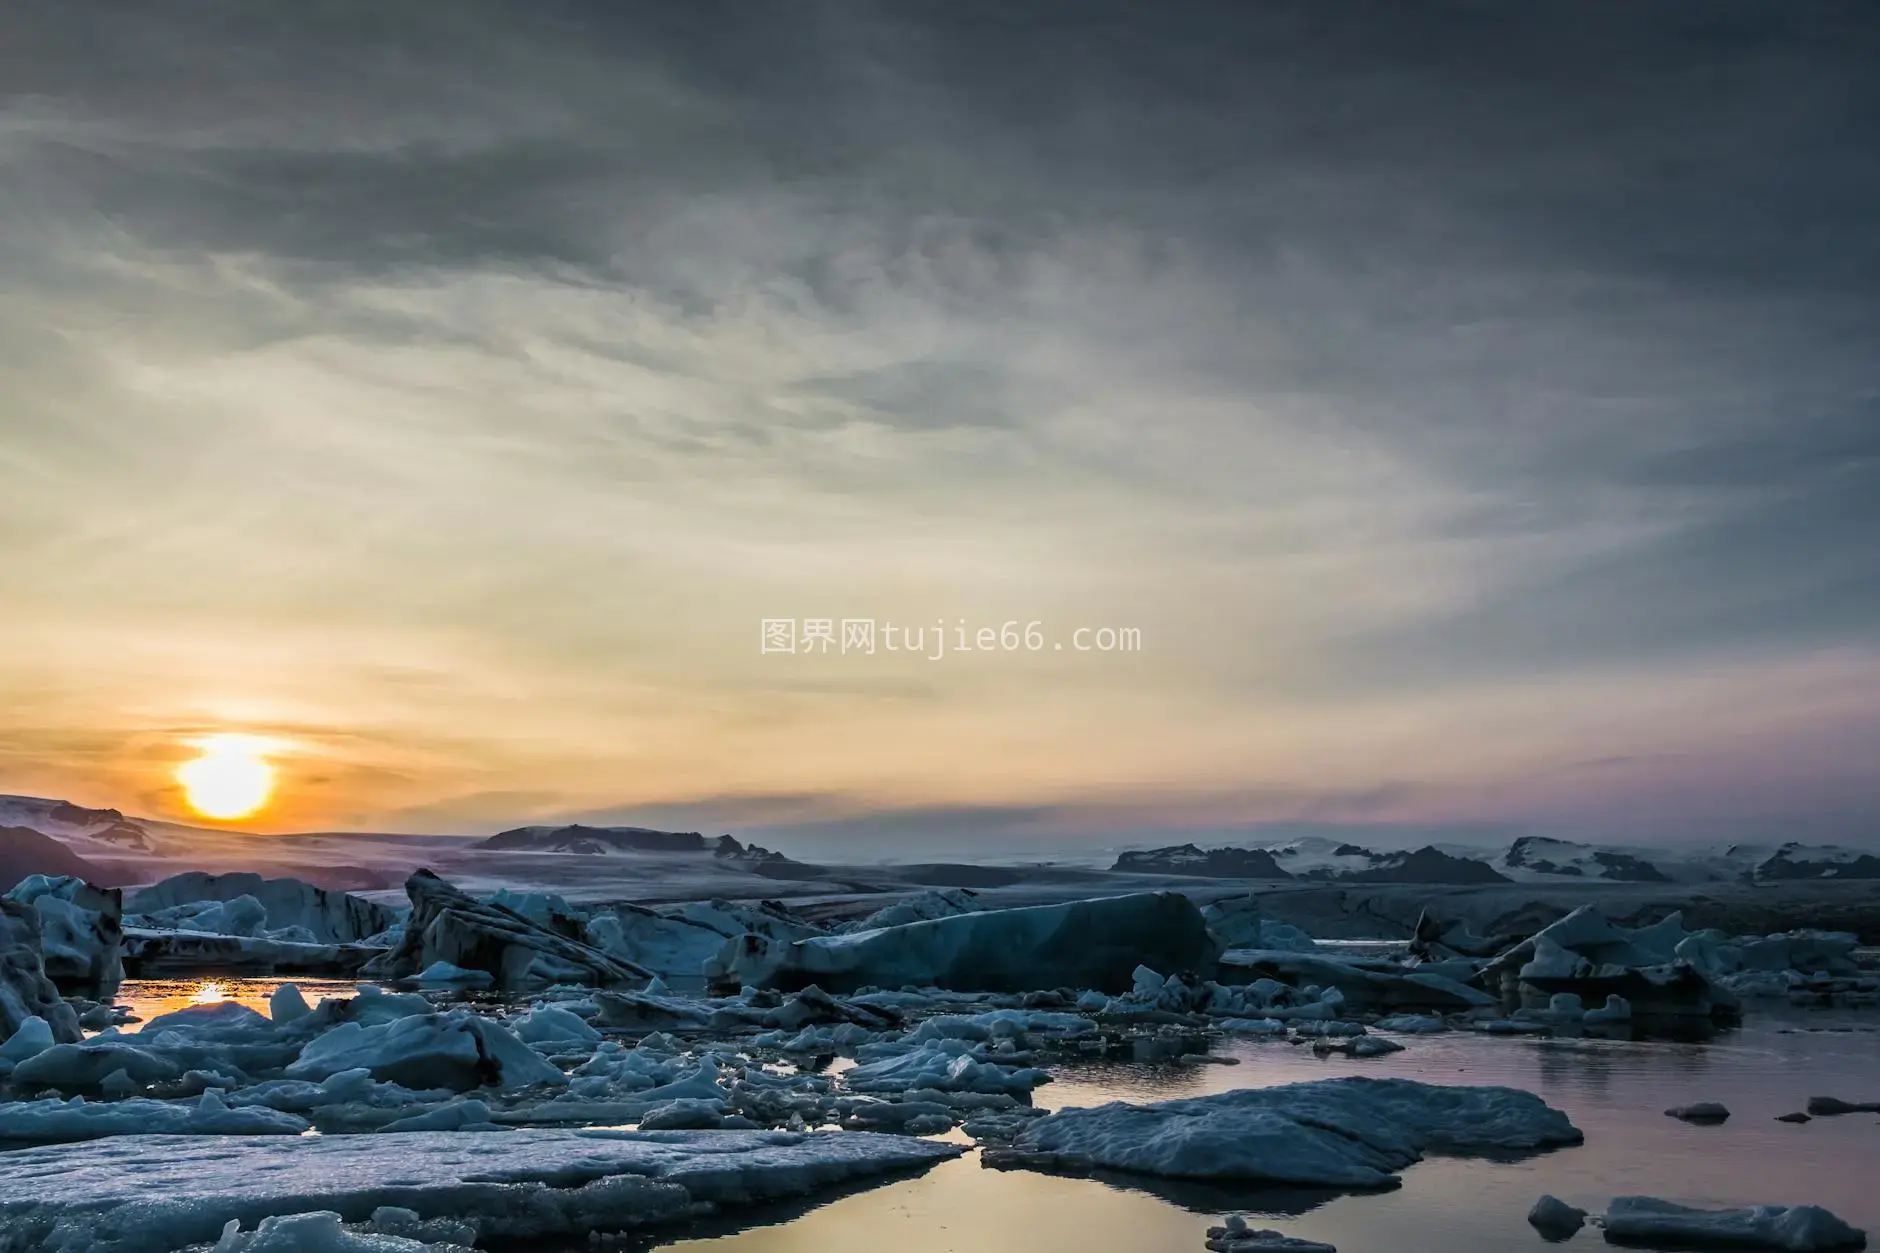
[580,840]
[1343,863]
[1548,856]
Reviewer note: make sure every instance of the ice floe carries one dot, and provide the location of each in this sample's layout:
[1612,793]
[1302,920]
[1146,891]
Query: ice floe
[1349,1132]
[1647,1220]
[147,1194]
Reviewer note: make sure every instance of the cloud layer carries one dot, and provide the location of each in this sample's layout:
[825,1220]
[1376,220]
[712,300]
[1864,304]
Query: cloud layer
[1451,396]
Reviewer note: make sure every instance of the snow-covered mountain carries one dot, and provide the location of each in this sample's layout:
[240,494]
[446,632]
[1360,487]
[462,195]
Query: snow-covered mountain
[592,841]
[1311,858]
[1816,861]
[1542,857]
[103,830]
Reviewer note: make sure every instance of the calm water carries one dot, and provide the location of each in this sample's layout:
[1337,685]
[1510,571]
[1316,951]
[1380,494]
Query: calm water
[1615,1092]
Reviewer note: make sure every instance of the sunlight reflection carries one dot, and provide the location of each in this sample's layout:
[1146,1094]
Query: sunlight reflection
[208,994]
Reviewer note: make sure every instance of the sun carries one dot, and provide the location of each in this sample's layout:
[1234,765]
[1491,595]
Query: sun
[231,779]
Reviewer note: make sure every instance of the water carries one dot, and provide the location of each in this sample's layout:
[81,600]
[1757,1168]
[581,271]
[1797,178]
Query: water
[1616,1092]
[150,998]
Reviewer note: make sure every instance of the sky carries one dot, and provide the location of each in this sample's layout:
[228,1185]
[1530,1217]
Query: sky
[1472,410]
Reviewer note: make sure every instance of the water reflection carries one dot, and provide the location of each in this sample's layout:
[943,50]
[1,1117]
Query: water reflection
[1616,1091]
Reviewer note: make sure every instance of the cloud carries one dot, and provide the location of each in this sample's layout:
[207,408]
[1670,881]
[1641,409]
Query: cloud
[1382,366]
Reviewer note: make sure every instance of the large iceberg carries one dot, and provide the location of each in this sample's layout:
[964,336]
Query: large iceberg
[329,916]
[1589,955]
[25,991]
[1089,944]
[1647,1220]
[447,925]
[152,1194]
[1345,1133]
[81,936]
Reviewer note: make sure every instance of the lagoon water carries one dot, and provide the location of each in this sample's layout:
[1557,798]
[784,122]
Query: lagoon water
[1615,1091]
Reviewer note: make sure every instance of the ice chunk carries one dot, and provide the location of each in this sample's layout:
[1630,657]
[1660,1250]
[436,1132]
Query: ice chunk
[1235,1236]
[1702,1112]
[55,1121]
[25,991]
[1555,1219]
[287,1004]
[456,1050]
[443,974]
[333,917]
[318,1232]
[155,1194]
[1352,1133]
[450,926]
[1092,943]
[1786,1228]
[545,1024]
[81,931]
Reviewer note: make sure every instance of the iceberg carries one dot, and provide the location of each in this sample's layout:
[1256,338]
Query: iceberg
[1088,944]
[25,991]
[450,926]
[457,1050]
[1344,1133]
[1784,1228]
[81,931]
[152,1194]
[333,917]
[52,1121]
[1555,1219]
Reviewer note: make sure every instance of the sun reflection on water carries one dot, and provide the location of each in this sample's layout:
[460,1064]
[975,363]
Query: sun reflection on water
[208,993]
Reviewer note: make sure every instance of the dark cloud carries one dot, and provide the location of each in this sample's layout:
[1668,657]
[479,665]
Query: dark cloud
[1566,311]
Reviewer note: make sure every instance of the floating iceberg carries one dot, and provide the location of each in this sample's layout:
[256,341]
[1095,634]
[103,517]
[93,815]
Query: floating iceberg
[1786,1228]
[81,931]
[1092,944]
[152,1194]
[450,926]
[332,917]
[1348,1133]
[25,991]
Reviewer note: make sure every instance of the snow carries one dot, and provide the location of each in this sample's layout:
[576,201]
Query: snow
[147,1194]
[1788,1228]
[1350,1132]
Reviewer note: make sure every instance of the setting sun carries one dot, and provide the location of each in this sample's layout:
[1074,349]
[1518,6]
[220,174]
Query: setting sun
[231,779]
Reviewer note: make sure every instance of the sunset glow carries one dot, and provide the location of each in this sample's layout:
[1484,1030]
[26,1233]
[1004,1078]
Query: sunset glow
[231,779]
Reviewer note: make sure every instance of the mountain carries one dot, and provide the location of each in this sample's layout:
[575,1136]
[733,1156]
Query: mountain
[596,840]
[24,851]
[1428,864]
[1312,858]
[104,829]
[1213,863]
[1819,861]
[1533,855]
